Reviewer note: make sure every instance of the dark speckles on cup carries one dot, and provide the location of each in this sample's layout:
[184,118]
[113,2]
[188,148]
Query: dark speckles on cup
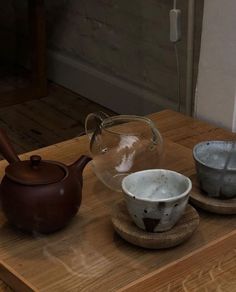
[161,205]
[150,224]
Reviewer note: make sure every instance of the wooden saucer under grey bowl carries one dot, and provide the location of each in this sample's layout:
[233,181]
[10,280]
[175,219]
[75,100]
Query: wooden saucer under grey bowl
[213,205]
[226,207]
[125,227]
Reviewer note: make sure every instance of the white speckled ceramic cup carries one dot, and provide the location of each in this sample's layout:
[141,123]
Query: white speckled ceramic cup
[156,198]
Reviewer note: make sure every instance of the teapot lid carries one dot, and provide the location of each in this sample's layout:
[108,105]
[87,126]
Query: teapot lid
[35,171]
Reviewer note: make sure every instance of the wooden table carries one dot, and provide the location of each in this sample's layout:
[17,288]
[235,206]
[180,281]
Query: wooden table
[89,256]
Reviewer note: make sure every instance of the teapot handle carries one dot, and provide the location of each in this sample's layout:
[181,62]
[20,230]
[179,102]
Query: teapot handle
[93,122]
[6,148]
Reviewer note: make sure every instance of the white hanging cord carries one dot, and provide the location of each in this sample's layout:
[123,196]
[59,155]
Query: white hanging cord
[175,4]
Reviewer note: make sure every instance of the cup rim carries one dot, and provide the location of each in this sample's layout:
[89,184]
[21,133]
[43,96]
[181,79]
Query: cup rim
[185,193]
[197,159]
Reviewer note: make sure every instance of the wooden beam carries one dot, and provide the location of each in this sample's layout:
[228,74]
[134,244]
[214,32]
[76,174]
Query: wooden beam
[37,23]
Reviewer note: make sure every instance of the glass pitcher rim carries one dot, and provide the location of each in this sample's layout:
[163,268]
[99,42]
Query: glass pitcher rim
[128,118]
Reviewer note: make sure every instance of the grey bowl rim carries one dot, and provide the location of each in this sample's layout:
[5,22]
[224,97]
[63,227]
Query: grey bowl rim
[185,194]
[210,141]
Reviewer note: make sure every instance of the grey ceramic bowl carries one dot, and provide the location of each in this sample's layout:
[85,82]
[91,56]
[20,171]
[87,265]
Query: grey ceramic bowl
[156,198]
[210,159]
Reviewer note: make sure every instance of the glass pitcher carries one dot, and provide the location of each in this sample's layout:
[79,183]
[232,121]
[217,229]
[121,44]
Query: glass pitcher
[121,145]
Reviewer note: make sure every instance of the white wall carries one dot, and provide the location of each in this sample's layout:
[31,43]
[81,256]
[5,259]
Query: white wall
[216,86]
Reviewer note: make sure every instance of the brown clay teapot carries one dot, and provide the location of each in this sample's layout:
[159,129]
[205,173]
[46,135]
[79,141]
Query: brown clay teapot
[37,195]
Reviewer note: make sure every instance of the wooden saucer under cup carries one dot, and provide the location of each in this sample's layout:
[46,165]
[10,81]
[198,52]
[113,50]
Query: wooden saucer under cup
[199,199]
[127,229]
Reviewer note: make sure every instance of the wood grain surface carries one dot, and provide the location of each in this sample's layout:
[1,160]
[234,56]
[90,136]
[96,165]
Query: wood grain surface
[212,268]
[88,255]
[46,121]
[17,282]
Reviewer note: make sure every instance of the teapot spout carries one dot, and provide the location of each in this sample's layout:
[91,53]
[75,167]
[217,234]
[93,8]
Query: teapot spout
[82,162]
[79,166]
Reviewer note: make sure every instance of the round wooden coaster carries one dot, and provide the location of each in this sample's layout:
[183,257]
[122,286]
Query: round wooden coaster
[125,227]
[198,199]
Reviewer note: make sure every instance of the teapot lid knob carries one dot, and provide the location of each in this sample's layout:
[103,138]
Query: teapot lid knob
[35,160]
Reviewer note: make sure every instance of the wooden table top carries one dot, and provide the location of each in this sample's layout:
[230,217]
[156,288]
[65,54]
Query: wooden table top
[211,268]
[88,255]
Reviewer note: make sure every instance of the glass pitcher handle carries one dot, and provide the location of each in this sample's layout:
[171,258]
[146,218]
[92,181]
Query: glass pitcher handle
[93,122]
